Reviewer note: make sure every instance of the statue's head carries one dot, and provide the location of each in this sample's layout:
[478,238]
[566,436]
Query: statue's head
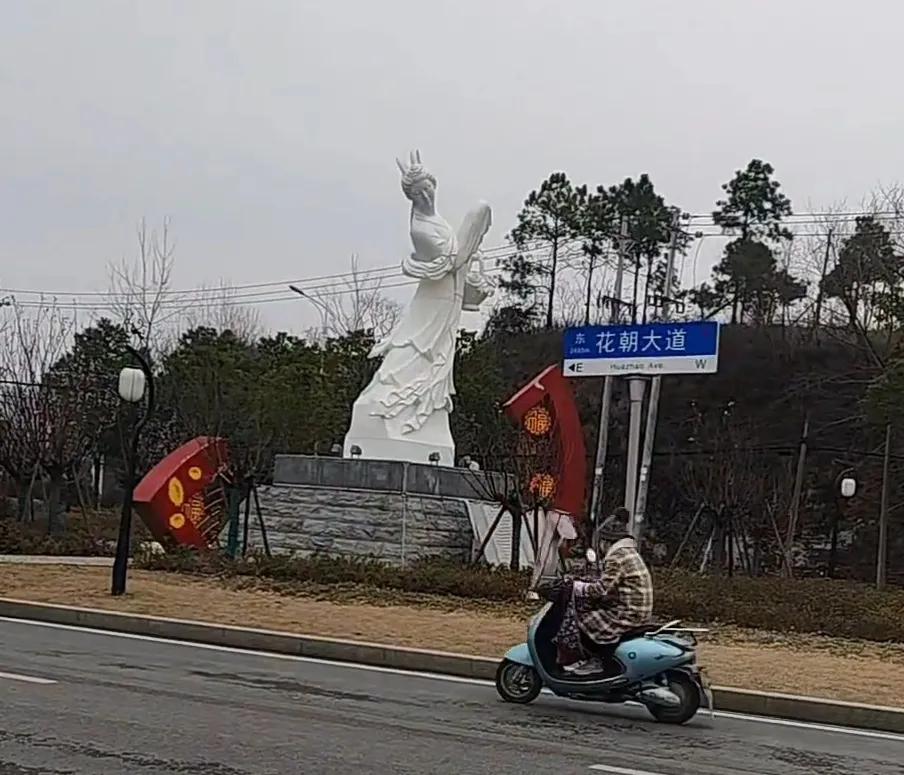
[418,184]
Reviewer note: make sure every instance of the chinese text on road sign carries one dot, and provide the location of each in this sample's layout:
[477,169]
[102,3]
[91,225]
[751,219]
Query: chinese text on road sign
[655,348]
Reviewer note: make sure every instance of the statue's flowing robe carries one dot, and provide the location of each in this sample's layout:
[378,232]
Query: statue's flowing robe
[415,378]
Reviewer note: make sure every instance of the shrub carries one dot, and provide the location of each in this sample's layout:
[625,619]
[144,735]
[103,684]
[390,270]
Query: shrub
[838,608]
[78,541]
[437,577]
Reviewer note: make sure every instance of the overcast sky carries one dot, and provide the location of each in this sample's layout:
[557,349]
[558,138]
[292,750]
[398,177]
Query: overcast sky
[266,129]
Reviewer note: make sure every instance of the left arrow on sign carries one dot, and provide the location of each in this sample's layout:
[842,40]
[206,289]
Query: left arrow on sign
[575,367]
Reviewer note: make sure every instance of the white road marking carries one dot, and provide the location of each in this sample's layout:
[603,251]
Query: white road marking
[876,735]
[620,770]
[28,679]
[253,652]
[783,722]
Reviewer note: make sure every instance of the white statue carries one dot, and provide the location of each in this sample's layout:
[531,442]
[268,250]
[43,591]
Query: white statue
[403,414]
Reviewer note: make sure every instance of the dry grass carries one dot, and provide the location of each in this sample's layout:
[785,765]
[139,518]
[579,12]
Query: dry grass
[801,664]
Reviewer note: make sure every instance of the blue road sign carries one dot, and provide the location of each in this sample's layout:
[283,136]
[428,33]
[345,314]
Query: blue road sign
[654,348]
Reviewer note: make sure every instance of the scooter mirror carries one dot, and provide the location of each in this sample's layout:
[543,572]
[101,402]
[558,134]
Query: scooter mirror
[591,555]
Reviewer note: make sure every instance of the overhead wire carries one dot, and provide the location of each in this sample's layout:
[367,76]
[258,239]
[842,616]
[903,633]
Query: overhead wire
[217,291]
[359,280]
[276,291]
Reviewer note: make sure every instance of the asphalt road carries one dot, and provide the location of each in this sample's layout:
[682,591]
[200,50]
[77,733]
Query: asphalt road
[80,702]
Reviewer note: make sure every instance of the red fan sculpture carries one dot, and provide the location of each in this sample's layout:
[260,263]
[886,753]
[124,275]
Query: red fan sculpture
[553,440]
[182,499]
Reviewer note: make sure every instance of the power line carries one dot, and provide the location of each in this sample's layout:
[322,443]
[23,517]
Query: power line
[253,299]
[823,216]
[229,301]
[218,292]
[364,280]
[273,291]
[329,281]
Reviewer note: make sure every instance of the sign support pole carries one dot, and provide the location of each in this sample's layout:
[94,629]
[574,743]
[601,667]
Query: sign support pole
[637,387]
[602,436]
[638,509]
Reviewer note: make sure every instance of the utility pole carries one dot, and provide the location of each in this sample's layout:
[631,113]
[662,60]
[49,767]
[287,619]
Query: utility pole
[883,514]
[796,494]
[639,507]
[602,437]
[825,269]
[615,314]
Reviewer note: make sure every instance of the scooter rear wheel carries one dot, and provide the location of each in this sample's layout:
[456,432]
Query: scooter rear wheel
[517,683]
[682,685]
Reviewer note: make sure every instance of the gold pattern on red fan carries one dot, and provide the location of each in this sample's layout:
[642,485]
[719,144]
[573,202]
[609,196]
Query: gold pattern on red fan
[538,421]
[543,485]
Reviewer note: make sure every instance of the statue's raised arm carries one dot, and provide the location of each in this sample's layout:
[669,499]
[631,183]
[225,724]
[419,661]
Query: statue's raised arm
[403,414]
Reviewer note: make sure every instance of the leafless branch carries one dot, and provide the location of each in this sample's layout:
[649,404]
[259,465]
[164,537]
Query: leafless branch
[140,287]
[357,305]
[221,310]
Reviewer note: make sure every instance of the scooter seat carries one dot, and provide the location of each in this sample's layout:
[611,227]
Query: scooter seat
[638,632]
[598,648]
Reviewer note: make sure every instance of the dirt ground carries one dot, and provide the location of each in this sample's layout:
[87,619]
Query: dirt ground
[791,663]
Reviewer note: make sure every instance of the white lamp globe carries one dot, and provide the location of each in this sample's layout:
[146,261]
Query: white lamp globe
[131,384]
[848,487]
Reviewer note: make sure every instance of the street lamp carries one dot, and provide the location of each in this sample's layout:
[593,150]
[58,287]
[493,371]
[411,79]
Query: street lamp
[846,487]
[132,383]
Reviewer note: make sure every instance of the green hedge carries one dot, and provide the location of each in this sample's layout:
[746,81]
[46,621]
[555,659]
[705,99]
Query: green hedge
[436,577]
[838,608]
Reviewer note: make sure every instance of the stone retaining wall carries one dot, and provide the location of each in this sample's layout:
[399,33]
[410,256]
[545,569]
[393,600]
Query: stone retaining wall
[397,512]
[390,526]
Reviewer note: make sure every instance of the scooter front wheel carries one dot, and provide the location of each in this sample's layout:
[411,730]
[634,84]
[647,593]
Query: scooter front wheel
[517,683]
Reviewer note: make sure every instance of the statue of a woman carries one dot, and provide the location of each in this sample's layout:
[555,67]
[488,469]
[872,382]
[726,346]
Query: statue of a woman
[403,414]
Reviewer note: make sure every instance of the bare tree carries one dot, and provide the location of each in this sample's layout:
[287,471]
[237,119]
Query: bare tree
[32,342]
[739,494]
[582,290]
[142,297]
[570,298]
[53,407]
[219,308]
[357,304]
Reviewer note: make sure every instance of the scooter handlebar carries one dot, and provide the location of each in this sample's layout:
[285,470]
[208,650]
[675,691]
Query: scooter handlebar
[552,588]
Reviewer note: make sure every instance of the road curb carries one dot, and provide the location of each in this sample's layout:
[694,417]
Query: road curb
[44,559]
[785,706]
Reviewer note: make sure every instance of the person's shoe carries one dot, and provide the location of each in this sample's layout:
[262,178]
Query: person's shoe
[587,667]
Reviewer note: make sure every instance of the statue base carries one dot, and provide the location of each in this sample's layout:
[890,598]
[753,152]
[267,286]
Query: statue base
[374,437]
[385,510]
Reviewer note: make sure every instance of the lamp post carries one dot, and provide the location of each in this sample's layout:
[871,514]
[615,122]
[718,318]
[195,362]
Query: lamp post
[846,488]
[132,384]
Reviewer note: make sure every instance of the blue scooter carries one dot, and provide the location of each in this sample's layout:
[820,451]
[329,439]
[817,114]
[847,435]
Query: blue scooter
[654,666]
